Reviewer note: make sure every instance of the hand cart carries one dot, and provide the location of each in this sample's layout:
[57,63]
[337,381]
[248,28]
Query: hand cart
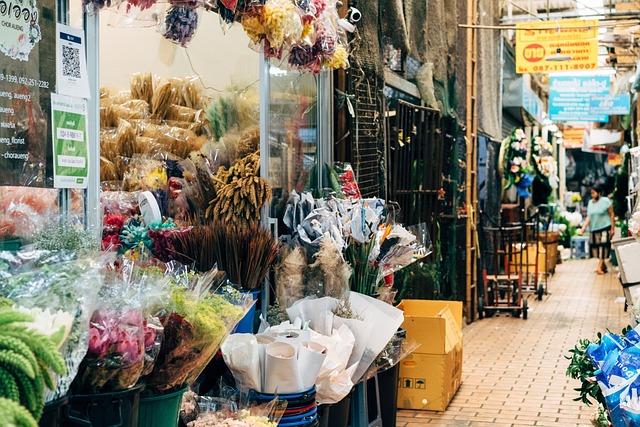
[540,250]
[501,276]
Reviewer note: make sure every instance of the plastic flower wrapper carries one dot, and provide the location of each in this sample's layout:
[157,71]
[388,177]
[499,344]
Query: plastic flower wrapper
[199,317]
[394,352]
[282,23]
[220,412]
[299,206]
[24,211]
[347,179]
[115,357]
[61,292]
[399,247]
[145,174]
[318,224]
[329,274]
[180,24]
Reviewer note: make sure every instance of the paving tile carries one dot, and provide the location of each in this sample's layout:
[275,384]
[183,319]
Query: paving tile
[514,370]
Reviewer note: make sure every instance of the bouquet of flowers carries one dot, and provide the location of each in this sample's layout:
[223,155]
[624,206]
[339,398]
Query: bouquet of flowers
[115,357]
[201,312]
[544,163]
[60,292]
[516,168]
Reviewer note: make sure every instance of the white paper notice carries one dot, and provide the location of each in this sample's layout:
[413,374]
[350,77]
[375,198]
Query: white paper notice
[71,62]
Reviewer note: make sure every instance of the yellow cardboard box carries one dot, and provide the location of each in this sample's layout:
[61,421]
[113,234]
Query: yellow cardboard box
[430,377]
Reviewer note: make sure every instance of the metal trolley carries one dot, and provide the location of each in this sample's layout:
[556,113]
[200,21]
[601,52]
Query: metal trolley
[539,248]
[501,272]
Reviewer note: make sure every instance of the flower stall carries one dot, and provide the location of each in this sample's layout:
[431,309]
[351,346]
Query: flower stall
[204,232]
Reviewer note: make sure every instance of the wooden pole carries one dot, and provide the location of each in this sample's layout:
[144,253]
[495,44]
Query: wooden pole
[472,160]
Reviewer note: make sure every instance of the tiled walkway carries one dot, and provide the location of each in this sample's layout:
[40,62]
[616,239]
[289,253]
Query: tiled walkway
[514,369]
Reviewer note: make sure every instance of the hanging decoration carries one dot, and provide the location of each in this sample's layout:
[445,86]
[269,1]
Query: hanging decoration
[307,32]
[516,168]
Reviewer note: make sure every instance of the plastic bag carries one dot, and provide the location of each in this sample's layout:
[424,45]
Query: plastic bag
[24,211]
[65,290]
[116,354]
[348,182]
[215,412]
[199,318]
[180,24]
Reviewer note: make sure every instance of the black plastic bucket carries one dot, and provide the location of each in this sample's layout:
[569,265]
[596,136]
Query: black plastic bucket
[388,384]
[116,409]
[339,413]
[52,413]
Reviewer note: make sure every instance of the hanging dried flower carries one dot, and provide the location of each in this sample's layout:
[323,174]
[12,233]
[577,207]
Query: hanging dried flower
[326,41]
[304,57]
[339,58]
[140,4]
[181,23]
[252,25]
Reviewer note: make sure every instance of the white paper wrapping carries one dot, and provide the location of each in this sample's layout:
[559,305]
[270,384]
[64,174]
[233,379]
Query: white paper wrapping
[385,318]
[310,359]
[315,311]
[241,353]
[281,373]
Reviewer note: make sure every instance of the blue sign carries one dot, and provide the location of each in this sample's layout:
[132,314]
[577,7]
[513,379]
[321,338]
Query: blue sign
[612,105]
[570,98]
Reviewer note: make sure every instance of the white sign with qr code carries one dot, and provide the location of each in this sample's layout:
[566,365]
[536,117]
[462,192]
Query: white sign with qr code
[71,62]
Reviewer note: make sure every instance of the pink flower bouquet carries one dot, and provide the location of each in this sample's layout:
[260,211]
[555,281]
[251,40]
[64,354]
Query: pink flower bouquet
[115,357]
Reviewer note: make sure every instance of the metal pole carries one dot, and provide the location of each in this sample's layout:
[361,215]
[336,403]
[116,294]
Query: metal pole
[93,212]
[265,127]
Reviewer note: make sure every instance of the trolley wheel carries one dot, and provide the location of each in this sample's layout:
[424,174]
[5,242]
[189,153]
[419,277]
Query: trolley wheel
[540,292]
[525,309]
[488,313]
[480,308]
[516,313]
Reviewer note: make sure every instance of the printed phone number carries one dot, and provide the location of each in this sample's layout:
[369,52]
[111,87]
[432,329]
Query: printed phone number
[557,67]
[24,81]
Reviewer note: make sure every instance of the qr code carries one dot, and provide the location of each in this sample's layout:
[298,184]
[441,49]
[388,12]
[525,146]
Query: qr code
[71,62]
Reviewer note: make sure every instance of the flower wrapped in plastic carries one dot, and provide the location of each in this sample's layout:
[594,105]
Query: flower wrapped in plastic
[25,210]
[180,23]
[115,356]
[515,168]
[60,292]
[226,412]
[202,311]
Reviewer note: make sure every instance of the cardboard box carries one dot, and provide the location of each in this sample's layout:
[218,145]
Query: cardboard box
[430,377]
[429,381]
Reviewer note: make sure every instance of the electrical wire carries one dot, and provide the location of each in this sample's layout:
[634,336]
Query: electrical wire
[199,76]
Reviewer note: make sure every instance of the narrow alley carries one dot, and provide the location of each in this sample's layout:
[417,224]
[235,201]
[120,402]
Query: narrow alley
[514,369]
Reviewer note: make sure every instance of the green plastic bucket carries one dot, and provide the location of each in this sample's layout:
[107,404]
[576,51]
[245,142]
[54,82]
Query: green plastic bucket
[160,411]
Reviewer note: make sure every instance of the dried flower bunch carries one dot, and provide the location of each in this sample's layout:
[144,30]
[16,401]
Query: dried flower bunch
[241,192]
[244,253]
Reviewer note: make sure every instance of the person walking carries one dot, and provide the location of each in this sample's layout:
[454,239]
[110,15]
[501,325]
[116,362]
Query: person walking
[601,225]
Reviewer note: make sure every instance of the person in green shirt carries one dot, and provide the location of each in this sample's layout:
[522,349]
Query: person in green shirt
[601,227]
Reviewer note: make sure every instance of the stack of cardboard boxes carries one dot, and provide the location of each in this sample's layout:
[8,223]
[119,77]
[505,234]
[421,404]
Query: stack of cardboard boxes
[430,376]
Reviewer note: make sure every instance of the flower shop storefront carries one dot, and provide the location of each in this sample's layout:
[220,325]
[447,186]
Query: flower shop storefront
[178,245]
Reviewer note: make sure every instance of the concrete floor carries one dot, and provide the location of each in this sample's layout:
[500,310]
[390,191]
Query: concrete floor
[514,369]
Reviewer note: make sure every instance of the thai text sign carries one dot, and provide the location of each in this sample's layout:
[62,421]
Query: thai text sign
[570,98]
[540,44]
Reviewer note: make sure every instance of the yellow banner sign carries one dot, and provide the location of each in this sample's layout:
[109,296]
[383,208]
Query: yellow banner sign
[546,47]
[568,29]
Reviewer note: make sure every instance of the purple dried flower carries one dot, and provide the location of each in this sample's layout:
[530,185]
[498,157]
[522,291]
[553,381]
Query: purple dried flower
[302,56]
[180,24]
